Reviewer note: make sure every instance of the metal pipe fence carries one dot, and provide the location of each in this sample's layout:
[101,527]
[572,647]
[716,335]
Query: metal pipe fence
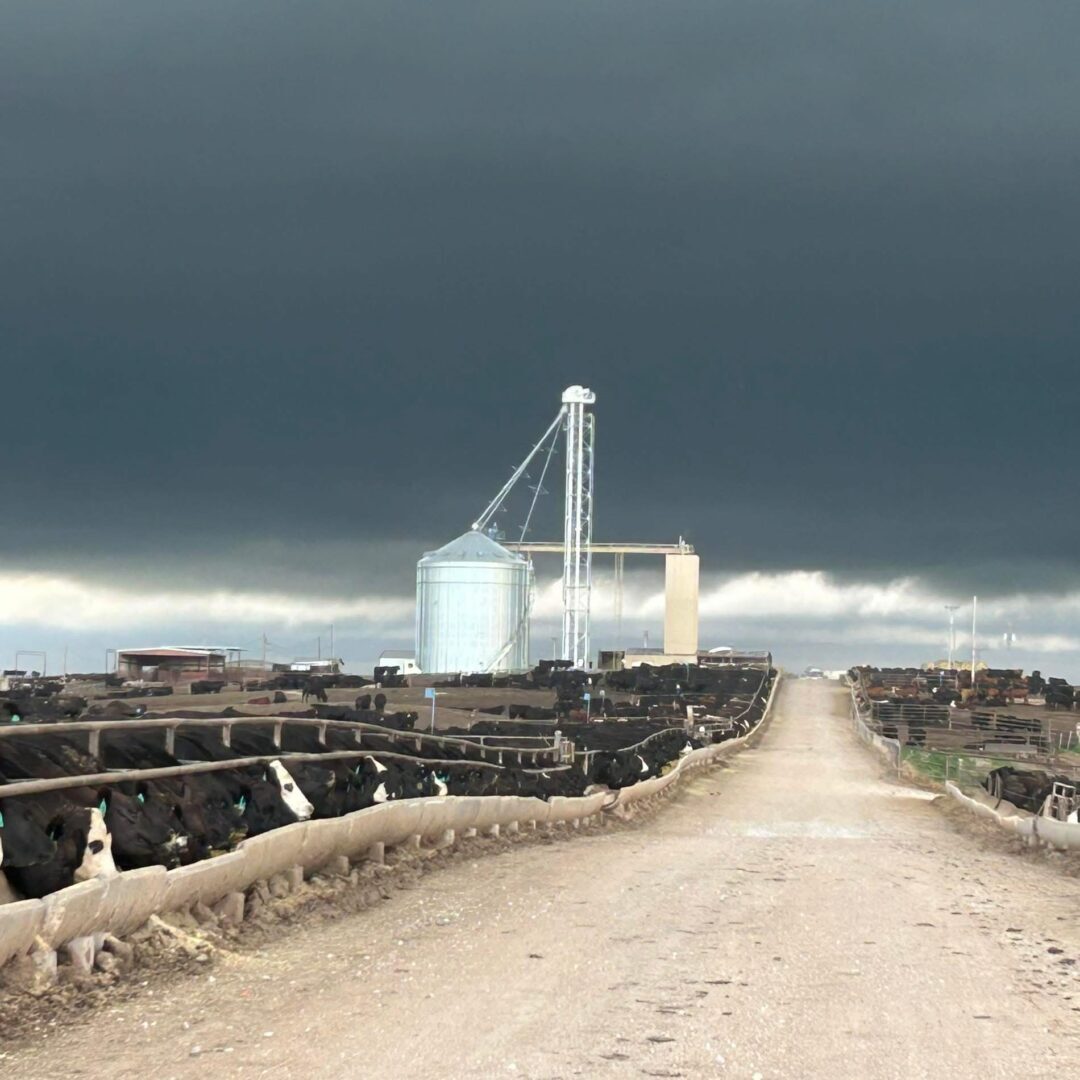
[124,776]
[170,725]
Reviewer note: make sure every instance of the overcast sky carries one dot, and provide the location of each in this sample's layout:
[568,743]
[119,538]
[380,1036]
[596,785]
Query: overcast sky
[287,289]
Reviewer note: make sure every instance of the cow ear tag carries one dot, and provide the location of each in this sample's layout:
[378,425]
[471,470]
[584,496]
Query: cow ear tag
[103,805]
[141,797]
[242,804]
[1,819]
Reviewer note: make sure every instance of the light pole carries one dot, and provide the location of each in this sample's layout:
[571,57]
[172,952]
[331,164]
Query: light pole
[952,609]
[974,613]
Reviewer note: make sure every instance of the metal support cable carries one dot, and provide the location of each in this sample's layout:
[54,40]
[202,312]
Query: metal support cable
[540,482]
[495,503]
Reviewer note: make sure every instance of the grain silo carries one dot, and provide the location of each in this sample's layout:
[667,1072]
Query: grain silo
[472,607]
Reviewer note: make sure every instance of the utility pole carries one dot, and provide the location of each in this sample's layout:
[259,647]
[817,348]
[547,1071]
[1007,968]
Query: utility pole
[264,651]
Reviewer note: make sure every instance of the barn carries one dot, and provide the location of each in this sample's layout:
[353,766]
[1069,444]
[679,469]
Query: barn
[177,664]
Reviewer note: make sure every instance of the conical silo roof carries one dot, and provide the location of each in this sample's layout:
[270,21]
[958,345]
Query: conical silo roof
[473,546]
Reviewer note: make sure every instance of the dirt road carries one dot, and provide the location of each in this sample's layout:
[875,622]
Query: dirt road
[793,915]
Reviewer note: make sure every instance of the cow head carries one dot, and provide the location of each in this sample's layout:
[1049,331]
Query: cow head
[291,795]
[97,860]
[145,830]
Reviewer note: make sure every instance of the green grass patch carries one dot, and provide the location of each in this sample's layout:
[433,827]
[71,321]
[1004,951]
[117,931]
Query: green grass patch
[941,765]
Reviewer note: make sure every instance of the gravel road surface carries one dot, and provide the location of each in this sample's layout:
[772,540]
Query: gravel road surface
[793,915]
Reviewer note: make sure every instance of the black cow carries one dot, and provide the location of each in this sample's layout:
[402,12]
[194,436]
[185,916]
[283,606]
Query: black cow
[529,712]
[315,688]
[144,832]
[1024,788]
[199,802]
[265,796]
[47,843]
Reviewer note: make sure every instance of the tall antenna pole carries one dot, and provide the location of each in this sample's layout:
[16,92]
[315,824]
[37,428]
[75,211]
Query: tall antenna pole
[974,612]
[577,526]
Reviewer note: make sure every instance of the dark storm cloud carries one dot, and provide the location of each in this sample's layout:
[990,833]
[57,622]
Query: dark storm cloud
[317,273]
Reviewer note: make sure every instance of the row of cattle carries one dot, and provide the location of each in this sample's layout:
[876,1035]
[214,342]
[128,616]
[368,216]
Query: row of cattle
[993,686]
[50,840]
[565,679]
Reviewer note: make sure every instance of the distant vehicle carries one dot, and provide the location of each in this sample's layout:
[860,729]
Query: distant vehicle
[813,673]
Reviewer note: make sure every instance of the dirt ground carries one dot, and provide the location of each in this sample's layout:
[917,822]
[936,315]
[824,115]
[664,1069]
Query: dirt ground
[793,915]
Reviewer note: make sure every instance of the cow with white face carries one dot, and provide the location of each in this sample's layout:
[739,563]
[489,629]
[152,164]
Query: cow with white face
[49,843]
[97,855]
[296,801]
[375,782]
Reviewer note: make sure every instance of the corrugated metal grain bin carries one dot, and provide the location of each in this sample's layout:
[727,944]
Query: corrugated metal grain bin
[472,607]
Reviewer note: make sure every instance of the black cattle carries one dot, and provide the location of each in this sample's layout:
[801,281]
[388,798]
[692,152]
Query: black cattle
[48,843]
[207,686]
[44,757]
[143,833]
[385,781]
[262,798]
[199,802]
[531,712]
[363,703]
[389,677]
[398,721]
[260,793]
[541,784]
[478,680]
[11,712]
[330,788]
[617,769]
[1024,788]
[114,710]
[467,779]
[314,687]
[945,695]
[1058,694]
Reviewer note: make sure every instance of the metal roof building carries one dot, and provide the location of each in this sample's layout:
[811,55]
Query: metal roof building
[176,663]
